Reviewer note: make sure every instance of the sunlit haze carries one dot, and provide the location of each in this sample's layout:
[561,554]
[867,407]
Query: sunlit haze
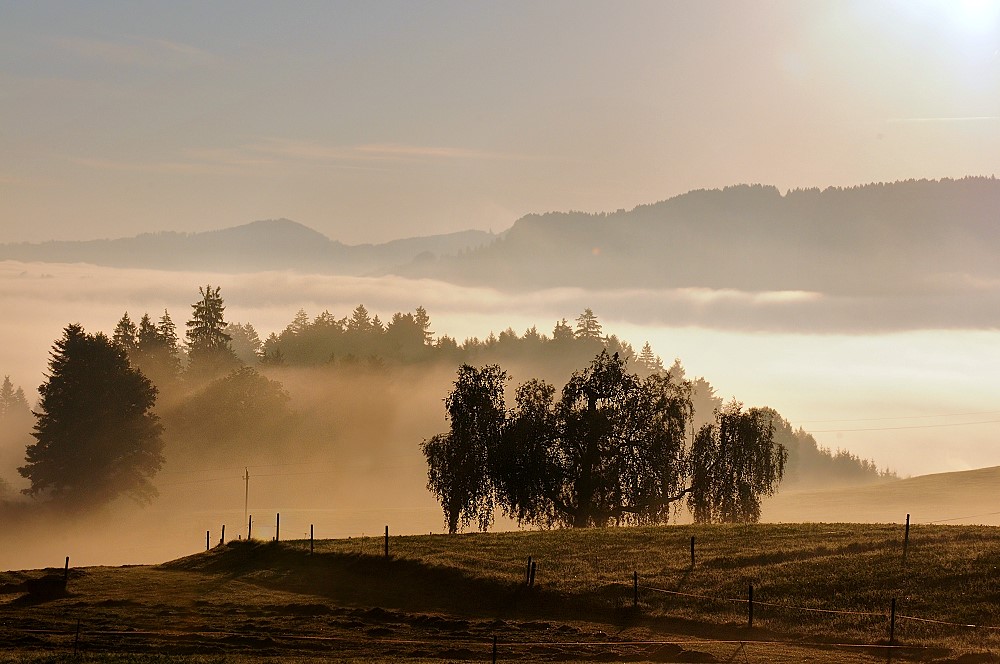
[867,316]
[374,121]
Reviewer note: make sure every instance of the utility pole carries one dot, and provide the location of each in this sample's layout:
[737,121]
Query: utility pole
[246,498]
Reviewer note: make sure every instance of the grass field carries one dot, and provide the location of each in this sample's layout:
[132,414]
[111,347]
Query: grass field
[822,593]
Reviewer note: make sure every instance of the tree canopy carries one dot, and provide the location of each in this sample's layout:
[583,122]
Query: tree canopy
[209,352]
[12,400]
[611,449]
[95,435]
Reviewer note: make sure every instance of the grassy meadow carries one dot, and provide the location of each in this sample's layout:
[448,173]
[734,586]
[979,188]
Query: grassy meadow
[444,597]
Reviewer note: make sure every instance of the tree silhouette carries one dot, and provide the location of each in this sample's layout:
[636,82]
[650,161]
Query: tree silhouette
[459,460]
[562,332]
[243,413]
[616,443]
[209,352]
[157,352]
[612,449]
[587,326]
[734,461]
[423,321]
[245,342]
[95,435]
[126,335]
[12,401]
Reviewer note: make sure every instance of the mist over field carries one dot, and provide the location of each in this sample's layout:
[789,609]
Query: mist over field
[350,461]
[821,381]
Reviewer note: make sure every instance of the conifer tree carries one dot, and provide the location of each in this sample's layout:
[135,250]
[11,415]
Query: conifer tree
[587,326]
[96,437]
[126,335]
[209,352]
[421,318]
[12,401]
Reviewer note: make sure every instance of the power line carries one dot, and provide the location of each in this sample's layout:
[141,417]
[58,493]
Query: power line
[900,417]
[910,426]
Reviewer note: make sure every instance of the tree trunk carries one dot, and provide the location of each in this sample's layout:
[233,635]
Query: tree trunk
[584,488]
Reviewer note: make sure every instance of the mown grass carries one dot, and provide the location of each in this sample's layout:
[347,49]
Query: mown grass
[950,574]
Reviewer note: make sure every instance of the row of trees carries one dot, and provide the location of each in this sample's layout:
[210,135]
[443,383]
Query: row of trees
[110,404]
[612,448]
[96,433]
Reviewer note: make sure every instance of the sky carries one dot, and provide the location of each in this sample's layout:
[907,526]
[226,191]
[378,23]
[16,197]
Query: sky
[378,120]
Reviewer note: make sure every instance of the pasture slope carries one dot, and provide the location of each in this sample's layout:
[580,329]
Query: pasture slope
[822,593]
[963,497]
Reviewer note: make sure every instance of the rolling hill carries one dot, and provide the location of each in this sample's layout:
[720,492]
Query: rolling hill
[273,244]
[964,497]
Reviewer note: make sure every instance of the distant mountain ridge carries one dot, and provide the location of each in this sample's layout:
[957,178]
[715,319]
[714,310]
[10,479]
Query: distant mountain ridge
[886,240]
[879,239]
[270,244]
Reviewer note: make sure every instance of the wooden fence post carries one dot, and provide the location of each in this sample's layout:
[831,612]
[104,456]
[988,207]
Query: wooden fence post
[310,539]
[692,551]
[750,608]
[208,545]
[249,527]
[222,540]
[527,573]
[66,573]
[387,541]
[277,526]
[534,568]
[906,537]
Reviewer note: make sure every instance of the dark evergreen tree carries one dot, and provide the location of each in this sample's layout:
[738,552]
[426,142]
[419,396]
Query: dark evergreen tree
[647,361]
[147,335]
[168,334]
[423,321]
[95,435]
[209,352]
[588,327]
[360,321]
[126,335]
[157,353]
[562,332]
[13,403]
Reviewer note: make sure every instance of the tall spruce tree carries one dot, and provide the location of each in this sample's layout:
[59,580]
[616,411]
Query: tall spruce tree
[126,335]
[209,352]
[96,437]
[12,401]
[588,327]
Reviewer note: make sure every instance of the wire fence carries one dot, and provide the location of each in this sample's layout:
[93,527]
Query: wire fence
[494,645]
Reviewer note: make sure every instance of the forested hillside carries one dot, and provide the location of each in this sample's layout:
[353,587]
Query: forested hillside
[223,393]
[873,239]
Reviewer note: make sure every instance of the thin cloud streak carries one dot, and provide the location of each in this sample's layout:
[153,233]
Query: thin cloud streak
[390,150]
[281,293]
[313,151]
[967,118]
[137,51]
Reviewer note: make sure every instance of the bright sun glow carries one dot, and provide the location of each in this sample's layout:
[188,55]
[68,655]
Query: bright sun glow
[971,15]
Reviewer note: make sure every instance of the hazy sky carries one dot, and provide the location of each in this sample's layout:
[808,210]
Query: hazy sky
[375,120]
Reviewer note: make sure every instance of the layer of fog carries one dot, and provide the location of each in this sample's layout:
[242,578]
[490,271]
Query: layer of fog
[900,377]
[904,399]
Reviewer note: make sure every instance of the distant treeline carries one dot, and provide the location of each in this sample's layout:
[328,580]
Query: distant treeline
[219,388]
